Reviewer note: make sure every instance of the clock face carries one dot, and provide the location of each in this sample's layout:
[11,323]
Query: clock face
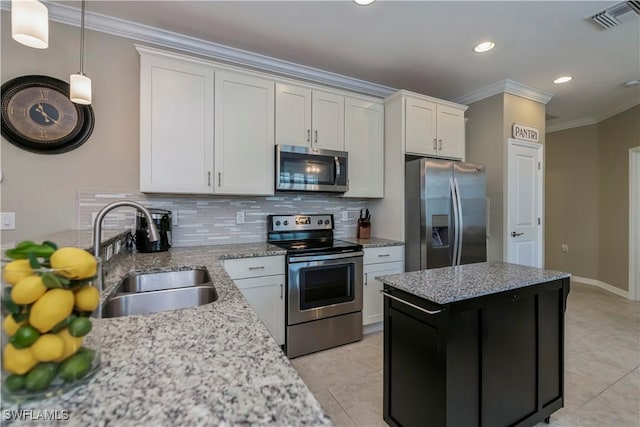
[38,116]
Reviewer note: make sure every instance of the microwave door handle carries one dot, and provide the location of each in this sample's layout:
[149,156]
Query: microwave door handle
[338,172]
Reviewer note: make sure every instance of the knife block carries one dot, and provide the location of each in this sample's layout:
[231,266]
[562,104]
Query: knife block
[364,229]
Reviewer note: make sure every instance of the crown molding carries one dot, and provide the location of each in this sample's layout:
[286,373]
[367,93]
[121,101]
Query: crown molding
[584,121]
[619,109]
[168,39]
[508,86]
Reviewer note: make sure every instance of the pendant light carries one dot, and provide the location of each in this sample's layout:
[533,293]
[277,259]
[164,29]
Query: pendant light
[30,23]
[80,90]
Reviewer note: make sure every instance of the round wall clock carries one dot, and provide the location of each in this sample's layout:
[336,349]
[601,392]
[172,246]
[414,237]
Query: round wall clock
[38,116]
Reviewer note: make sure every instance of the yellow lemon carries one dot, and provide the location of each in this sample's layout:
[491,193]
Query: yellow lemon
[16,270]
[50,309]
[18,361]
[74,263]
[71,344]
[87,298]
[28,290]
[10,326]
[48,347]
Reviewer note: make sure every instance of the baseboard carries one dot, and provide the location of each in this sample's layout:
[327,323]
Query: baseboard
[374,327]
[602,285]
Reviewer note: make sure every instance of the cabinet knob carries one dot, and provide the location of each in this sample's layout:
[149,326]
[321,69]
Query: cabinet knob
[435,144]
[316,133]
[219,178]
[209,179]
[366,279]
[308,135]
[439,144]
[281,290]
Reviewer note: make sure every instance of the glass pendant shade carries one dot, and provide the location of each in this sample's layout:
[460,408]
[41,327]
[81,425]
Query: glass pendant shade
[80,91]
[30,23]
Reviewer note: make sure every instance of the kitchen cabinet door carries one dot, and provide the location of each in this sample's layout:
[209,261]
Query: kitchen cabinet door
[420,127]
[293,115]
[364,141]
[244,131]
[327,119]
[450,126]
[372,309]
[176,126]
[266,297]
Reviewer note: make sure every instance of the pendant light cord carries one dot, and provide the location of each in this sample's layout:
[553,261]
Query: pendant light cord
[82,38]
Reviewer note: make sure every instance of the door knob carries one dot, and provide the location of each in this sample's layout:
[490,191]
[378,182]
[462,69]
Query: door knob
[514,234]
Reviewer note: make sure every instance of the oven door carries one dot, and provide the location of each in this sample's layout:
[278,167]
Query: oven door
[321,286]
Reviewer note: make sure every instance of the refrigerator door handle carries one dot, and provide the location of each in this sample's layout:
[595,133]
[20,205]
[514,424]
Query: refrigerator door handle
[454,200]
[460,225]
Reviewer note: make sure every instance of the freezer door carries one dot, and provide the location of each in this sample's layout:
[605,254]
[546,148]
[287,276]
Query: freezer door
[429,218]
[471,185]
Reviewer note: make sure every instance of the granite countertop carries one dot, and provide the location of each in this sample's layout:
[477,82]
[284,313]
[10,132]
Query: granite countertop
[373,242]
[451,284]
[215,364]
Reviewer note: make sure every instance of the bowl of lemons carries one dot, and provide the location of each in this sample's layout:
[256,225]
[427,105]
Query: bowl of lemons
[50,304]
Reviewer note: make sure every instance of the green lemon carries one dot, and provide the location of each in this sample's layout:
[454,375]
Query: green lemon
[15,382]
[80,327]
[75,367]
[41,376]
[24,337]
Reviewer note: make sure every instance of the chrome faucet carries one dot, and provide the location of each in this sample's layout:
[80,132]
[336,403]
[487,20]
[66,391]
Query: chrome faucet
[154,236]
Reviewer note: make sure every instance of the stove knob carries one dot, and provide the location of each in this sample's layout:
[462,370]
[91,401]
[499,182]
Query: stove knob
[326,222]
[278,222]
[319,222]
[286,223]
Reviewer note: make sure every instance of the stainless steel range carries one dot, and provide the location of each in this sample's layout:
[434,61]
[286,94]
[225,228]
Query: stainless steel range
[324,283]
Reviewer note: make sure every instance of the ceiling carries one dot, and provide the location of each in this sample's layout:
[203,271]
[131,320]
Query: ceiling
[426,46]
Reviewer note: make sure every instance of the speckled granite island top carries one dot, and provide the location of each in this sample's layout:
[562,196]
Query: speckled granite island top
[212,365]
[451,284]
[373,242]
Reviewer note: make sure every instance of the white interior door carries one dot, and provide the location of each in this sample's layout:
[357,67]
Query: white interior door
[523,232]
[634,223]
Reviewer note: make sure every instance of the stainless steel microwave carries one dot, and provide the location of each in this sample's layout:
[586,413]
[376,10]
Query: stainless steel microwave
[311,169]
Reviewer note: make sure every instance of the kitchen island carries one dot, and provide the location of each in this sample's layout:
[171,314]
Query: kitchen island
[215,364]
[474,345]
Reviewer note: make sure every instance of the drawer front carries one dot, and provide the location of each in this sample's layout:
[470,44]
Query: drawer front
[254,267]
[384,254]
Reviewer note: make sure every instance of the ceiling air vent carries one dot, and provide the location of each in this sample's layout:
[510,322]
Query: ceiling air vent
[617,14]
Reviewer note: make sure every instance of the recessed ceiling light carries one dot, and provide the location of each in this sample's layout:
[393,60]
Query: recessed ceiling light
[631,83]
[563,79]
[363,2]
[484,47]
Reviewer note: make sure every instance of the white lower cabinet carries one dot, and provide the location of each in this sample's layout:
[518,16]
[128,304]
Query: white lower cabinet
[378,262]
[262,282]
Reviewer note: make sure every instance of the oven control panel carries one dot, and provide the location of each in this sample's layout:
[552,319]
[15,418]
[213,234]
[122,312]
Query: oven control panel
[300,222]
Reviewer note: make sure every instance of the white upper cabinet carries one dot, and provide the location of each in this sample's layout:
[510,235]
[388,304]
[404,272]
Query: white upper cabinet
[176,125]
[309,118]
[433,128]
[364,141]
[244,132]
[328,120]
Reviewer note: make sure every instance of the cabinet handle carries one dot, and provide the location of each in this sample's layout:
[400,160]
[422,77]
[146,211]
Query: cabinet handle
[424,310]
[435,144]
[219,178]
[366,279]
[316,131]
[209,179]
[383,255]
[439,144]
[261,267]
[308,135]
[281,291]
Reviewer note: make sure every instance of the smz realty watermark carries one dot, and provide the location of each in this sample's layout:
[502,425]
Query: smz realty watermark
[36,415]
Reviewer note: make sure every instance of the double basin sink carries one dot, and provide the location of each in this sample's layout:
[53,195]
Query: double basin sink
[145,293]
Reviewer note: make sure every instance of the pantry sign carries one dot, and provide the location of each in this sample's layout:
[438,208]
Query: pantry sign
[526,133]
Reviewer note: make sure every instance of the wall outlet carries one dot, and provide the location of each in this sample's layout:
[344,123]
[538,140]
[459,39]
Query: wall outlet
[240,217]
[345,216]
[118,247]
[564,247]
[109,252]
[174,219]
[8,221]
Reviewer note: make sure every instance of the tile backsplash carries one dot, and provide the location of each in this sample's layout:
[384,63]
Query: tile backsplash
[211,220]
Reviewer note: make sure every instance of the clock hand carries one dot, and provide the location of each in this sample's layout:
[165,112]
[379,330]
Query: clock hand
[47,117]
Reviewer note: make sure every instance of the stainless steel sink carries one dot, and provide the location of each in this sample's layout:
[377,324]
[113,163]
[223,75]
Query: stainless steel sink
[154,292]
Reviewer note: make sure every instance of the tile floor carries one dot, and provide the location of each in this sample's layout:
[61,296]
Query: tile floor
[602,377]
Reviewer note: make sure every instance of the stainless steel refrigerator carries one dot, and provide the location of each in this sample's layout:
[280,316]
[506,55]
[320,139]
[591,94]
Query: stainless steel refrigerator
[445,214]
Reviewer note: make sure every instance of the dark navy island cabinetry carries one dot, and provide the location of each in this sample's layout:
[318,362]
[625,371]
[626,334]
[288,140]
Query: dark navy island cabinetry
[474,345]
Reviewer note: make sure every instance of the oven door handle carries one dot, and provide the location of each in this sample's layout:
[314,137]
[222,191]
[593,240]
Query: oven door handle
[308,258]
